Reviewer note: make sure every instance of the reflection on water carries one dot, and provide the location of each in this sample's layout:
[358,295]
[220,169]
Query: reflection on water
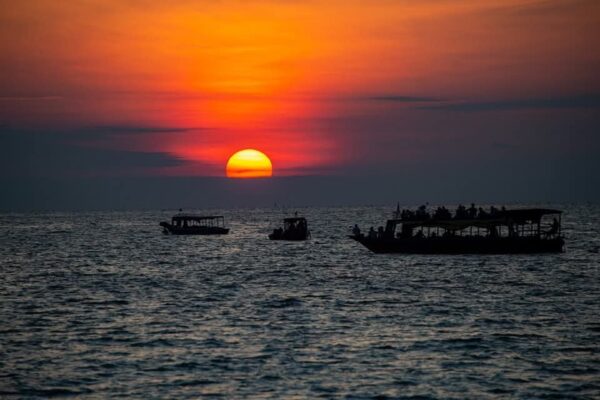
[104,304]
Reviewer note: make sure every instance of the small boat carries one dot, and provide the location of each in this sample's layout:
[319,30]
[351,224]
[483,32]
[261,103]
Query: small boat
[502,232]
[192,224]
[295,228]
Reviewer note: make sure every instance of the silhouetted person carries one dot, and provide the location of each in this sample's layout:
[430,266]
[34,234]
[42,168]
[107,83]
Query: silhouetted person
[472,211]
[553,228]
[446,213]
[461,212]
[422,212]
[293,228]
[442,213]
[356,230]
[482,214]
[372,233]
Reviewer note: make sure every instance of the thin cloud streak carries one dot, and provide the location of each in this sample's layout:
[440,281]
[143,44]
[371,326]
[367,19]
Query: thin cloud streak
[133,129]
[404,99]
[573,102]
[31,98]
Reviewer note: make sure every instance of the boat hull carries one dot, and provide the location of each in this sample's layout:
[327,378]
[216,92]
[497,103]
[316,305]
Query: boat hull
[462,245]
[288,237]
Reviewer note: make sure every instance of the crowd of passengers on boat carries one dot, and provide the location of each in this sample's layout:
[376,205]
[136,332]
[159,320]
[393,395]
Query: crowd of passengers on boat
[442,213]
[463,216]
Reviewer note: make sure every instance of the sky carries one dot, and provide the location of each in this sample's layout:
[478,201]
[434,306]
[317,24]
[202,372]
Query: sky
[113,103]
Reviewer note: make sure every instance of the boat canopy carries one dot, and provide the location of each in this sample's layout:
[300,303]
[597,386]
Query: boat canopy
[506,217]
[195,217]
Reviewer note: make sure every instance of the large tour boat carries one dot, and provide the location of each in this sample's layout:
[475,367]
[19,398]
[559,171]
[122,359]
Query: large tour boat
[534,230]
[192,224]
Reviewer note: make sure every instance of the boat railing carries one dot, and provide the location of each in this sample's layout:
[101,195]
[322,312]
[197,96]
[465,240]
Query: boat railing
[202,221]
[489,227]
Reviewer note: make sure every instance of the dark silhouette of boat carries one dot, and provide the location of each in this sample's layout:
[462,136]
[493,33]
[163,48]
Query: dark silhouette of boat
[192,224]
[295,228]
[498,232]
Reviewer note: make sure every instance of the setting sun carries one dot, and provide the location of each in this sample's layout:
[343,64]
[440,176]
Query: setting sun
[249,163]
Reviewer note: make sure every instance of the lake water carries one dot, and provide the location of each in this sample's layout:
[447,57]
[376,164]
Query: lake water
[102,304]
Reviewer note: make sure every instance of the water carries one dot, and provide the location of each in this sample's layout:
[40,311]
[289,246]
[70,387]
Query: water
[103,305]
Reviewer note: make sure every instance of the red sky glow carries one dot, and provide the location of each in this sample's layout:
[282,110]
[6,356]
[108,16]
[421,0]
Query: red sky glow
[320,87]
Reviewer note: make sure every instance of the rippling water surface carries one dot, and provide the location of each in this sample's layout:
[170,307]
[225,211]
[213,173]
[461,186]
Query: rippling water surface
[103,305]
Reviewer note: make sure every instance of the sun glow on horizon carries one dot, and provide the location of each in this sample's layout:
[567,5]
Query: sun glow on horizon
[324,87]
[249,163]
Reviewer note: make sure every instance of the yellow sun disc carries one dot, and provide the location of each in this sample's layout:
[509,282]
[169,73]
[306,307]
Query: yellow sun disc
[249,163]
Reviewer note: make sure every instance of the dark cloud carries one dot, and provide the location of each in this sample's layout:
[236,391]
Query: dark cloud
[580,101]
[107,132]
[127,129]
[403,99]
[546,8]
[26,154]
[29,98]
[90,134]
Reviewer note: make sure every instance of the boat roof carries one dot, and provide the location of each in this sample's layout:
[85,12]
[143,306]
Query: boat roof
[501,217]
[196,216]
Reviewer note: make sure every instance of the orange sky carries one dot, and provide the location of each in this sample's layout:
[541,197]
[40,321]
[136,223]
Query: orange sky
[270,75]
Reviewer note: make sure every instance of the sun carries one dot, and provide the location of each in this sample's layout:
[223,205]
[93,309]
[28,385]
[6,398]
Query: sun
[249,163]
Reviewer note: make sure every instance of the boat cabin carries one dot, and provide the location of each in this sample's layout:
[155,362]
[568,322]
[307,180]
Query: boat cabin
[193,224]
[503,231]
[538,223]
[295,228]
